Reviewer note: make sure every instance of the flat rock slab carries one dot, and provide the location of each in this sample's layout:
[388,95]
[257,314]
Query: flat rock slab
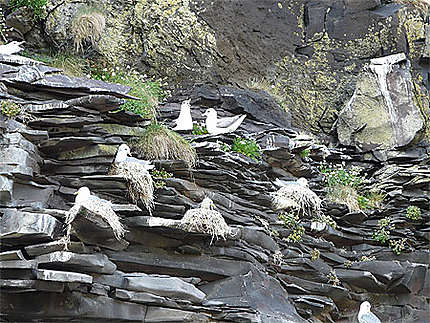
[27,307]
[49,247]
[11,255]
[31,285]
[164,286]
[142,298]
[163,314]
[94,263]
[18,264]
[27,228]
[63,276]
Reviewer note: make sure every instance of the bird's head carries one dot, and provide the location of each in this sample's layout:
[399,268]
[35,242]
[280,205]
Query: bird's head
[303,182]
[210,112]
[186,104]
[365,307]
[122,153]
[207,203]
[82,194]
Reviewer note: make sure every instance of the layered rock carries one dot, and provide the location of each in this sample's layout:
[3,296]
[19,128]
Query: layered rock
[166,274]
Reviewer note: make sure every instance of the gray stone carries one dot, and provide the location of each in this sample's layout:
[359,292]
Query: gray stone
[87,263]
[44,248]
[142,298]
[164,286]
[63,276]
[383,89]
[163,314]
[31,285]
[11,255]
[18,264]
[25,228]
[6,189]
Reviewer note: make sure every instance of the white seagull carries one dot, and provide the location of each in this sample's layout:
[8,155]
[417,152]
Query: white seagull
[365,315]
[122,156]
[184,121]
[11,48]
[217,126]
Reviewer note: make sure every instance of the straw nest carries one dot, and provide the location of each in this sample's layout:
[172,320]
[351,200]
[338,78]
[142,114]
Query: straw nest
[140,185]
[206,221]
[297,198]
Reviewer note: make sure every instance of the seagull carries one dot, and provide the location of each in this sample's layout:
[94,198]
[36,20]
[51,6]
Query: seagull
[365,315]
[217,126]
[98,206]
[122,156]
[11,48]
[207,204]
[184,121]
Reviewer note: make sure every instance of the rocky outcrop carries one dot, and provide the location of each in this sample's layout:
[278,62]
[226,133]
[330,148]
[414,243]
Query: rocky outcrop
[308,53]
[66,137]
[382,113]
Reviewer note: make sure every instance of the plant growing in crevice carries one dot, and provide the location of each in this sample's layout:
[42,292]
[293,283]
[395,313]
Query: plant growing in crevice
[398,245]
[37,6]
[315,254]
[10,109]
[199,130]
[159,142]
[413,213]
[333,279]
[292,222]
[305,153]
[244,146]
[160,176]
[88,25]
[327,219]
[383,233]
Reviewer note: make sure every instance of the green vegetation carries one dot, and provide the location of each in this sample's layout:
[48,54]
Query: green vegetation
[305,153]
[372,200]
[159,142]
[292,222]
[383,233]
[160,175]
[88,25]
[10,109]
[199,130]
[247,147]
[327,219]
[398,245]
[38,6]
[315,254]
[70,64]
[413,213]
[333,279]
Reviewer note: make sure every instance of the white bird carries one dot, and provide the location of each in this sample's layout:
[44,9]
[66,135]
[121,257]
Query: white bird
[184,121]
[122,156]
[217,126]
[207,204]
[98,206]
[365,315]
[11,48]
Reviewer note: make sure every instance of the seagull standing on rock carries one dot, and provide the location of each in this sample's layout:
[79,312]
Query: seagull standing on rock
[11,48]
[184,121]
[365,315]
[217,126]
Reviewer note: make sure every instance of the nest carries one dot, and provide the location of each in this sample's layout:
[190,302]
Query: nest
[140,185]
[205,221]
[97,206]
[87,26]
[298,198]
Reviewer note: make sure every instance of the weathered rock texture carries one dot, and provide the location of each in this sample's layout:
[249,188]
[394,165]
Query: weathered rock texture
[69,139]
[308,52]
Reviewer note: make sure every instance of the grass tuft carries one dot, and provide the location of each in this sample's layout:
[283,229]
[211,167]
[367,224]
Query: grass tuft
[159,142]
[88,25]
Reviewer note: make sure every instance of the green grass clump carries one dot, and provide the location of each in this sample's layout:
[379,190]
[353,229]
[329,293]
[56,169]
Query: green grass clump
[247,147]
[159,176]
[10,109]
[70,64]
[383,233]
[159,142]
[199,130]
[305,153]
[38,6]
[413,213]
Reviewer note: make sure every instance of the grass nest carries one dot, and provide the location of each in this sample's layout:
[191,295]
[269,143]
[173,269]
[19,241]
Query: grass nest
[344,194]
[159,142]
[87,26]
[205,221]
[140,186]
[298,198]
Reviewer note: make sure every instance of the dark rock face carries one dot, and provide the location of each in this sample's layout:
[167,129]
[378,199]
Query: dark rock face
[166,274]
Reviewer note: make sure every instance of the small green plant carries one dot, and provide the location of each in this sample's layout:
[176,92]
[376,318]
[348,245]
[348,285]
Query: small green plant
[366,258]
[333,279]
[159,142]
[292,222]
[413,212]
[398,245]
[383,233]
[10,109]
[38,6]
[160,175]
[327,219]
[247,147]
[372,200]
[315,254]
[199,130]
[348,263]
[305,153]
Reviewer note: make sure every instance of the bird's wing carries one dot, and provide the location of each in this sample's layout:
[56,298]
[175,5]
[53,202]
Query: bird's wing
[369,318]
[228,121]
[236,123]
[145,163]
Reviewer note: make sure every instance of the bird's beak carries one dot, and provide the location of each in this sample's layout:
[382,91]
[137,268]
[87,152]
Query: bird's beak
[129,153]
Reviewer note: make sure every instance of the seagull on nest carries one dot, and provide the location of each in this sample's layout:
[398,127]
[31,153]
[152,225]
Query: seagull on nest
[98,206]
[11,48]
[184,121]
[365,315]
[122,156]
[217,126]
